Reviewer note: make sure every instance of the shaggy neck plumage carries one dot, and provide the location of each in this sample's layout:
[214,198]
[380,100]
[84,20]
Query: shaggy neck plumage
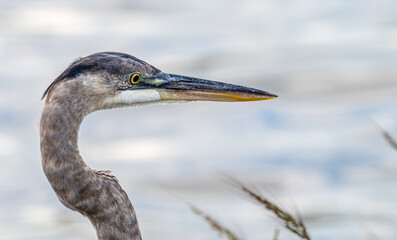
[96,195]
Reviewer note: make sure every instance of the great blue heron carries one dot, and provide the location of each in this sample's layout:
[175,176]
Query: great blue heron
[103,81]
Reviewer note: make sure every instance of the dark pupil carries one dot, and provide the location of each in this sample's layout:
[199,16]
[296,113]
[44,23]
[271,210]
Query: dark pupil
[135,79]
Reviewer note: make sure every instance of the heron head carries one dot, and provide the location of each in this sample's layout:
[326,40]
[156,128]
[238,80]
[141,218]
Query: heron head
[109,79]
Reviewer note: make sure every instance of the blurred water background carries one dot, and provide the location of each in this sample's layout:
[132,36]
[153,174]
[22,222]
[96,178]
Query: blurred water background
[314,149]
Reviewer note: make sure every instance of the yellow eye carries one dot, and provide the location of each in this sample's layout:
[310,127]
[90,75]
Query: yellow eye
[135,78]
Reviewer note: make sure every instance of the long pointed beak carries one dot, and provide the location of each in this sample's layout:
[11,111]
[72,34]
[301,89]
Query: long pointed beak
[176,87]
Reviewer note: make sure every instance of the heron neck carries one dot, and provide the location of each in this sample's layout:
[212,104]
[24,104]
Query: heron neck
[59,126]
[94,194]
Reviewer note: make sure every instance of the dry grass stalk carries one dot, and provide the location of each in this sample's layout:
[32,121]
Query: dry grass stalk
[276,234]
[223,231]
[293,224]
[387,136]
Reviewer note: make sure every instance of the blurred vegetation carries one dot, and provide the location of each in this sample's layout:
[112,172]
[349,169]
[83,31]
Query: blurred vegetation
[387,136]
[292,223]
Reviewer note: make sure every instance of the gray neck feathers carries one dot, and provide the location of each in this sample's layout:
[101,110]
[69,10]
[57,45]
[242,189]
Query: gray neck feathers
[94,194]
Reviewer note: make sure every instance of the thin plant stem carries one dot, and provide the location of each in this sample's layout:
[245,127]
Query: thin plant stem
[223,231]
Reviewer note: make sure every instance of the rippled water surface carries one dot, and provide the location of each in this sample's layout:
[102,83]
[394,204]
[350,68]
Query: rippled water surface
[314,150]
